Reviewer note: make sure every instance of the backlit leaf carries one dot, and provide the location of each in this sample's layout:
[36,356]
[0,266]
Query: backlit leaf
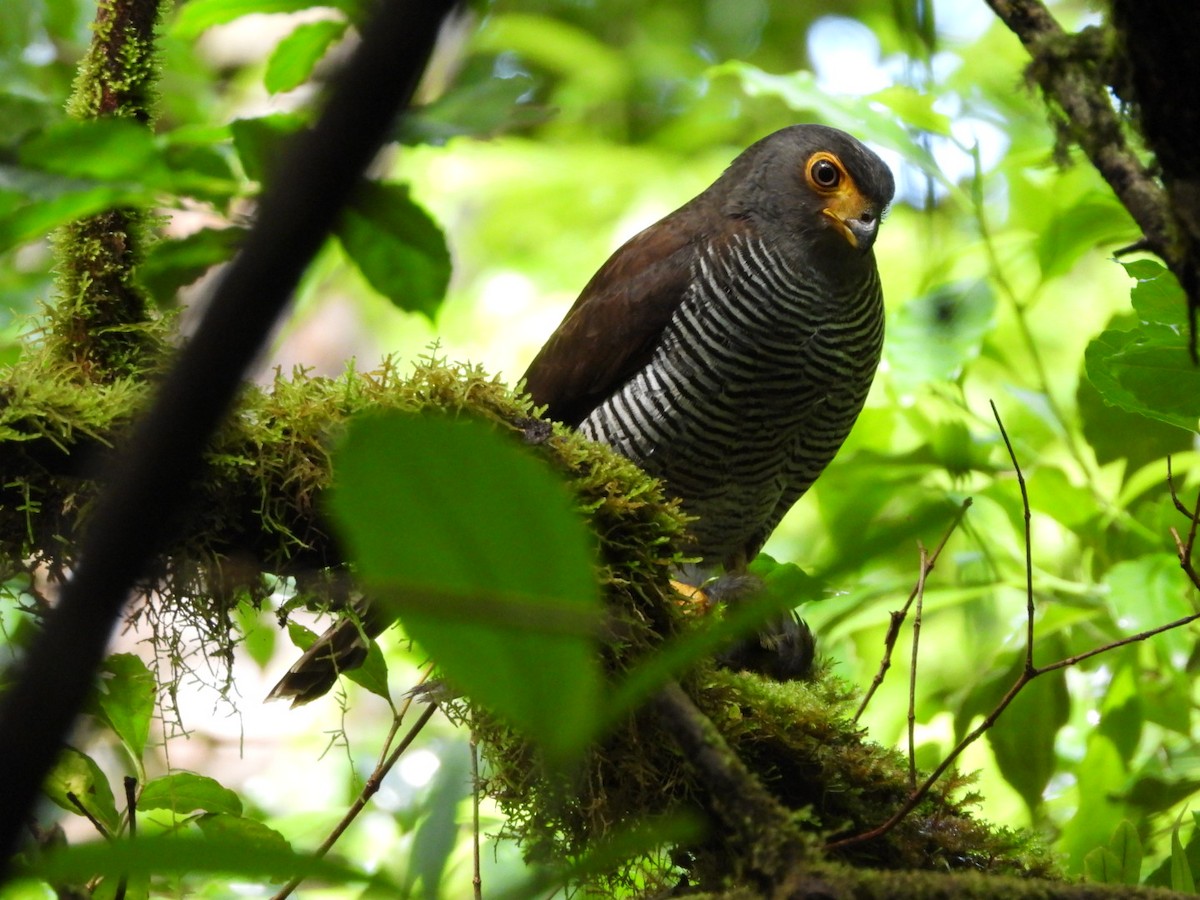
[479,548]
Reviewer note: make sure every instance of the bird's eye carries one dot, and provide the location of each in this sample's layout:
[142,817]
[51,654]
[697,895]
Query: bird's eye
[825,174]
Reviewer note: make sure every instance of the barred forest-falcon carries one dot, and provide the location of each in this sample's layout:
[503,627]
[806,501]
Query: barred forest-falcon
[727,350]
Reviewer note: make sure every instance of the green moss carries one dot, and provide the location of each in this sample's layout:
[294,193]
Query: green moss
[102,325]
[258,511]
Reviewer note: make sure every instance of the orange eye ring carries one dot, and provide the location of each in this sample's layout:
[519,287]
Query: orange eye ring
[825,173]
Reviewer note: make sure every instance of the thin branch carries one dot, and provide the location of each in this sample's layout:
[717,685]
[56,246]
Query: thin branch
[1030,671]
[1012,454]
[86,813]
[912,672]
[1175,496]
[897,618]
[476,875]
[369,790]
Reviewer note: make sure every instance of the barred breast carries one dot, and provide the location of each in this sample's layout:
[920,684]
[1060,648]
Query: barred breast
[756,383]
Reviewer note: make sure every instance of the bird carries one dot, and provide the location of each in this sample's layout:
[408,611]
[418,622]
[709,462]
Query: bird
[727,350]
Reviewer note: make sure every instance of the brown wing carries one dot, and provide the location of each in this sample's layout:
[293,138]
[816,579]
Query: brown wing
[611,330]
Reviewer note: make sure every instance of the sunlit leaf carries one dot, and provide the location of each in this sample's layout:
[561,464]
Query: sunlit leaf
[1157,296]
[186,792]
[197,16]
[1094,220]
[913,107]
[800,91]
[125,698]
[451,523]
[479,104]
[1099,810]
[397,246]
[1181,870]
[1102,866]
[229,828]
[295,57]
[77,774]
[932,337]
[1126,846]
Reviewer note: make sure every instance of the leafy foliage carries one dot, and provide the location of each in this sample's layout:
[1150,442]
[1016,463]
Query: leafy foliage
[600,117]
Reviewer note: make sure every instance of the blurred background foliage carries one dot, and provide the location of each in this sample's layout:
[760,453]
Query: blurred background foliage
[552,130]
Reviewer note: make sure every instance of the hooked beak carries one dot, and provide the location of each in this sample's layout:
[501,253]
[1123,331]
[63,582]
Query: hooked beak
[858,228]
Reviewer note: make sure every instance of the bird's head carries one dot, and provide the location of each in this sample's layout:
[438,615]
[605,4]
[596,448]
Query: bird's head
[816,181]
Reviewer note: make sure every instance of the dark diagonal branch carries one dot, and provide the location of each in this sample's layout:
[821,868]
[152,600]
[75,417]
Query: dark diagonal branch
[147,483]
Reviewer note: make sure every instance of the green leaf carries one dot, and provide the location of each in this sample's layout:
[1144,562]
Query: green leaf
[1102,867]
[172,264]
[185,792]
[260,142]
[1126,847]
[436,835]
[295,57]
[1181,871]
[258,634]
[479,548]
[1157,296]
[229,828]
[372,675]
[302,637]
[478,104]
[870,120]
[77,773]
[1099,810]
[397,246]
[125,698]
[1096,219]
[187,855]
[107,149]
[914,108]
[197,16]
[1146,370]
[22,115]
[34,203]
[1023,739]
[932,337]
[1146,593]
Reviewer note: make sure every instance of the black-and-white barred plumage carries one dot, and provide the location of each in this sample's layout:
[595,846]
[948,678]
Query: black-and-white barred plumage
[754,385]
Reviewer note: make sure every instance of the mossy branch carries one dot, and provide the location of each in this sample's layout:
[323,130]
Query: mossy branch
[100,328]
[1075,73]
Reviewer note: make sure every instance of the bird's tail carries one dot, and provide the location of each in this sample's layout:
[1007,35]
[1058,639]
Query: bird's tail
[342,647]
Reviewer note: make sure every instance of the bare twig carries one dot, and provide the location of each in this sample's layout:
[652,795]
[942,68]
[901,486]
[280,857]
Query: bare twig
[1030,671]
[912,672]
[371,786]
[86,813]
[476,875]
[1174,494]
[1012,454]
[131,816]
[897,618]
